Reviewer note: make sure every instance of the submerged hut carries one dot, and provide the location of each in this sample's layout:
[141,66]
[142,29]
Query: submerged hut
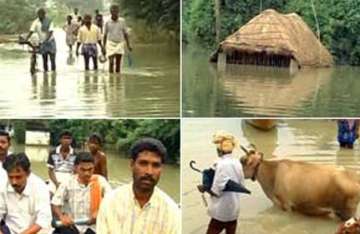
[274,39]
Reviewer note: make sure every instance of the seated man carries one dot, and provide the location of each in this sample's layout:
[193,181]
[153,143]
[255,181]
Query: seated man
[24,198]
[140,206]
[82,194]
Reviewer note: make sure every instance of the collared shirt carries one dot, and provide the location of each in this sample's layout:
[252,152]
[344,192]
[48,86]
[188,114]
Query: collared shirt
[3,173]
[115,30]
[120,213]
[76,197]
[59,163]
[32,206]
[42,35]
[91,36]
[226,206]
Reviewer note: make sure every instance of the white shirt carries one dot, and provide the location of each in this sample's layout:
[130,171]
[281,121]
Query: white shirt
[36,27]
[226,206]
[23,210]
[3,173]
[120,213]
[77,197]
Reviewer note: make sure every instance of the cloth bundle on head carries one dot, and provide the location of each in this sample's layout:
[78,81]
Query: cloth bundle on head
[224,141]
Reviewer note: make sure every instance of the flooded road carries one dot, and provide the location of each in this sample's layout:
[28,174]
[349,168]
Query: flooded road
[118,168]
[307,140]
[149,87]
[242,91]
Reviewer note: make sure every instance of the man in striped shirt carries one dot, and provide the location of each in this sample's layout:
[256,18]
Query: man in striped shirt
[140,207]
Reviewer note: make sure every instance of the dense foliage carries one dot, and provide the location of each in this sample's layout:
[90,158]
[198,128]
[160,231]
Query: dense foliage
[119,133]
[16,15]
[339,21]
[156,13]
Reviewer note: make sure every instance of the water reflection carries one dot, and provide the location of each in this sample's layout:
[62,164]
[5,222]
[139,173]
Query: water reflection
[307,140]
[261,91]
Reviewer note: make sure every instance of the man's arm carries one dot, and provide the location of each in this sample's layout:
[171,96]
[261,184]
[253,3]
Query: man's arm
[57,203]
[105,36]
[65,219]
[99,40]
[51,173]
[220,179]
[103,164]
[33,229]
[52,177]
[126,36]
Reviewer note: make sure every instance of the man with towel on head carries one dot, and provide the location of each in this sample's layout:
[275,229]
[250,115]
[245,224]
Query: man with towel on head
[224,206]
[115,37]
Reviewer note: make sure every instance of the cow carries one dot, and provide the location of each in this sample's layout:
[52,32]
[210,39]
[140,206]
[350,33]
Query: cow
[311,189]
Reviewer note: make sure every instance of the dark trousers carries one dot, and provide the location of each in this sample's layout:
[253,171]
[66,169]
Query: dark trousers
[87,61]
[45,57]
[71,230]
[216,226]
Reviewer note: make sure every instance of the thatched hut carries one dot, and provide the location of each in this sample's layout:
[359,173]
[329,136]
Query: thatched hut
[274,39]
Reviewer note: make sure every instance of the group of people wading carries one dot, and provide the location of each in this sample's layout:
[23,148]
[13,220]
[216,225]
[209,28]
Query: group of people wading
[112,37]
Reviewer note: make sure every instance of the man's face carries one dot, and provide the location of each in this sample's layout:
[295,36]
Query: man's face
[93,145]
[65,141]
[87,20]
[85,170]
[17,178]
[146,170]
[114,12]
[41,14]
[4,145]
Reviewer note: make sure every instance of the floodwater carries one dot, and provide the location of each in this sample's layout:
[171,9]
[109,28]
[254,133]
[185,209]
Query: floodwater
[248,91]
[147,88]
[307,140]
[118,168]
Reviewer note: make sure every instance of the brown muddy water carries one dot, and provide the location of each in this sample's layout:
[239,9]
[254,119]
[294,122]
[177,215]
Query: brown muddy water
[308,140]
[250,91]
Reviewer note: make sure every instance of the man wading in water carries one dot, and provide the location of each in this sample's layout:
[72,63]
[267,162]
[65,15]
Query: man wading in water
[89,36]
[44,28]
[115,37]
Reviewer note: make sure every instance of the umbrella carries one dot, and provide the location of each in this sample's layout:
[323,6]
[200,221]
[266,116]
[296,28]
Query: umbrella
[208,178]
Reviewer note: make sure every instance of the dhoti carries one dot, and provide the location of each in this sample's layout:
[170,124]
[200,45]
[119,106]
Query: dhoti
[113,48]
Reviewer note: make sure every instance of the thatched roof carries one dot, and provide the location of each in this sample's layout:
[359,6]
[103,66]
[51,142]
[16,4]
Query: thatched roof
[275,33]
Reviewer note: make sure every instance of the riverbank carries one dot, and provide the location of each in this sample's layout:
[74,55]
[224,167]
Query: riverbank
[8,38]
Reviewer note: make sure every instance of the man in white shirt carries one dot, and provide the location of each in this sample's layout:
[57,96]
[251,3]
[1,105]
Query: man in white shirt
[140,207]
[5,143]
[24,199]
[44,28]
[224,206]
[82,193]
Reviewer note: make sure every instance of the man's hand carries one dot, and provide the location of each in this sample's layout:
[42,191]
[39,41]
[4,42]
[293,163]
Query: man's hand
[66,220]
[103,50]
[201,188]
